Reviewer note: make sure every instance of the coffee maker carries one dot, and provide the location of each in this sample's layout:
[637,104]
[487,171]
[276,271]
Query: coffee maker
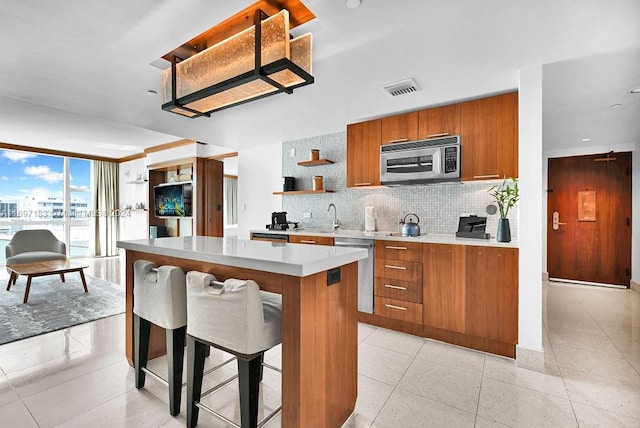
[278,221]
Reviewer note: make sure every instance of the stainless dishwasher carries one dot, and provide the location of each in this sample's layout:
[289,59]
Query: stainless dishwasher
[365,271]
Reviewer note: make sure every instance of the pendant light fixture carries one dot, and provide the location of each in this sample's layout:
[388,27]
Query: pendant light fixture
[258,61]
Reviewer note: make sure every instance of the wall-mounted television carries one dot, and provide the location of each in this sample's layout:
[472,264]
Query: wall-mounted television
[173,199]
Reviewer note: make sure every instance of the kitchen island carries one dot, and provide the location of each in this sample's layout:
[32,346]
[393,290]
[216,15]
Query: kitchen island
[319,288]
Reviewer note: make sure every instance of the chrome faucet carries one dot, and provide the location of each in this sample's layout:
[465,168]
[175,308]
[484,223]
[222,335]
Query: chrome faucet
[336,223]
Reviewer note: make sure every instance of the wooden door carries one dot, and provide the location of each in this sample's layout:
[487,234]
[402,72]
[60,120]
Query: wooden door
[439,122]
[489,143]
[491,293]
[210,197]
[443,301]
[400,128]
[592,238]
[363,154]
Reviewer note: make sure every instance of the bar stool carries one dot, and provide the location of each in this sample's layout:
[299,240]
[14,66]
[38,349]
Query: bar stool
[160,298]
[238,318]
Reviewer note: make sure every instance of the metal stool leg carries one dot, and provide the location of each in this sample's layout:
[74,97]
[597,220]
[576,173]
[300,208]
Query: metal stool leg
[195,372]
[141,332]
[175,359]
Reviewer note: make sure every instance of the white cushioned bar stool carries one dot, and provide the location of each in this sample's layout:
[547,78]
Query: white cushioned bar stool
[159,297]
[238,318]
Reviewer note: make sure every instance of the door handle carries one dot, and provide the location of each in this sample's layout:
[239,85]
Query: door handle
[556,221]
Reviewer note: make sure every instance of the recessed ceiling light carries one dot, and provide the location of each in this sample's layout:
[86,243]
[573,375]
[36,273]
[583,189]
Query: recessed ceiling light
[585,140]
[152,92]
[352,4]
[635,91]
[615,105]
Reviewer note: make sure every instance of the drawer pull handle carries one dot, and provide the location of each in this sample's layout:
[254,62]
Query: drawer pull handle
[395,287]
[304,241]
[390,247]
[399,140]
[442,134]
[362,184]
[487,176]
[400,308]
[395,267]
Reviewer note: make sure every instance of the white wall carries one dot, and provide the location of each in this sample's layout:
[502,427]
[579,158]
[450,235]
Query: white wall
[531,209]
[259,175]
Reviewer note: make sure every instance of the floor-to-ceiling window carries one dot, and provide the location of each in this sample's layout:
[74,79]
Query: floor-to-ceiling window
[39,191]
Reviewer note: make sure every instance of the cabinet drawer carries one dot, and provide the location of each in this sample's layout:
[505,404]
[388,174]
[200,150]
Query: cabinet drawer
[314,240]
[396,289]
[399,250]
[399,269]
[398,309]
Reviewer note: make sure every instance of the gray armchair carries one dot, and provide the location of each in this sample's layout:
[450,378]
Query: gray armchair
[28,246]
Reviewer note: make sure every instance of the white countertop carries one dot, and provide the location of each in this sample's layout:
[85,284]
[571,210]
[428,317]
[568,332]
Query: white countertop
[425,239]
[283,258]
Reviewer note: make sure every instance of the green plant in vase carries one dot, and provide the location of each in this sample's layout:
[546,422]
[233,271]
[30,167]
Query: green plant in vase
[506,195]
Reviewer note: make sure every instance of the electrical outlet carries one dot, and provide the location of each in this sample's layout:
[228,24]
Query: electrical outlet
[306,215]
[293,152]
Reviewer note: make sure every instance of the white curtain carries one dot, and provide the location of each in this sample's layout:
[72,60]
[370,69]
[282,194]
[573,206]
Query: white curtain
[105,206]
[231,200]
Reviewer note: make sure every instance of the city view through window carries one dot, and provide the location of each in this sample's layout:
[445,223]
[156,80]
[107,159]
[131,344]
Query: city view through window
[46,192]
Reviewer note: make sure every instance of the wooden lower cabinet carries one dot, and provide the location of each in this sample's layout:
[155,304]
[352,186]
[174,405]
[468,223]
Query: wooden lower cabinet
[313,240]
[491,301]
[469,295]
[396,289]
[398,309]
[444,286]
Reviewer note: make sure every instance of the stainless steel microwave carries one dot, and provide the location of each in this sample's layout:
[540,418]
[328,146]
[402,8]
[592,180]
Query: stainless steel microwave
[420,162]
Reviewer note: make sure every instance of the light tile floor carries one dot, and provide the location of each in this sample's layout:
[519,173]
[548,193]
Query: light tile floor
[78,377]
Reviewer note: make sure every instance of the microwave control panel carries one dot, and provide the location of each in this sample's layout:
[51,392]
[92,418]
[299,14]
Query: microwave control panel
[450,159]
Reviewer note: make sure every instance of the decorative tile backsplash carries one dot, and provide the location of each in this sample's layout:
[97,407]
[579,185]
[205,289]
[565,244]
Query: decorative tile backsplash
[438,205]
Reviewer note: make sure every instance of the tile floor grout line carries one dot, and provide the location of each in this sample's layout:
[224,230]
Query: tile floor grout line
[562,369]
[65,382]
[608,337]
[484,365]
[395,387]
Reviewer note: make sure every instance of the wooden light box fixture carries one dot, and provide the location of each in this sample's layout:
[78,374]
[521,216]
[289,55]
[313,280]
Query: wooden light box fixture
[247,57]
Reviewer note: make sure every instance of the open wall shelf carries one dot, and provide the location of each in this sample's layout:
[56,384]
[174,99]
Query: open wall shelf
[316,162]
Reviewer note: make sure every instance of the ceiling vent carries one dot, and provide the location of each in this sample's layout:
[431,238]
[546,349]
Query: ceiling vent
[402,87]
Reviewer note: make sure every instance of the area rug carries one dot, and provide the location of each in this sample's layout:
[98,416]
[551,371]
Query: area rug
[54,305]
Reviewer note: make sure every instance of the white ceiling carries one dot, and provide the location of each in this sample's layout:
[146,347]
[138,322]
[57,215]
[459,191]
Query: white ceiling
[75,73]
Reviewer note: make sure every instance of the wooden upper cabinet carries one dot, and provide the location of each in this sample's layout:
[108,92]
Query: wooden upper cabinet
[439,122]
[489,131]
[491,309]
[363,154]
[400,128]
[443,298]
